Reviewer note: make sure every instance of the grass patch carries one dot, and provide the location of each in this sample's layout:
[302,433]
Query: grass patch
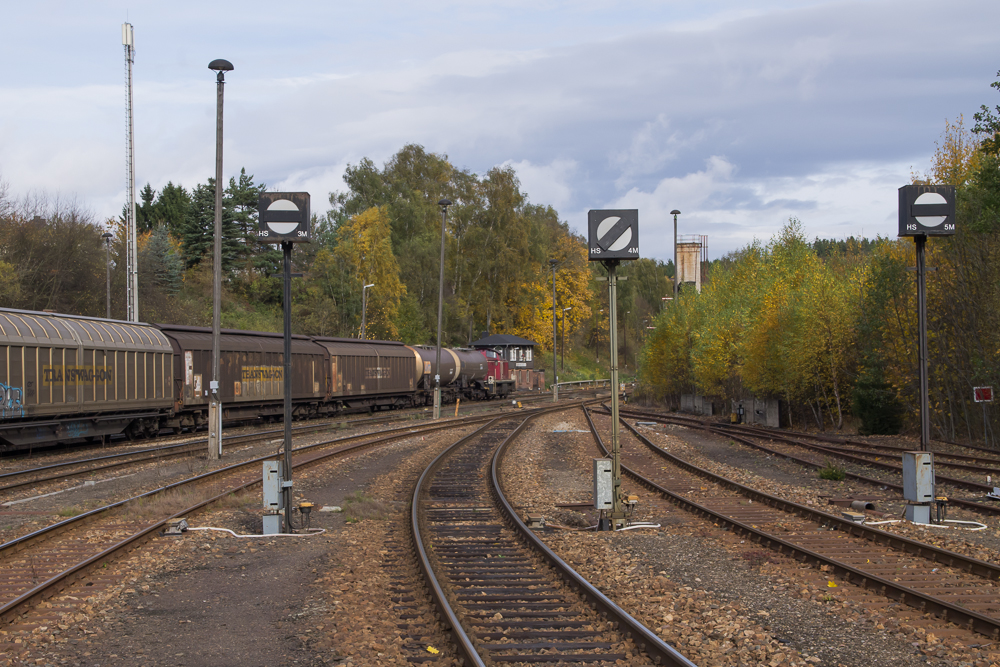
[69,512]
[831,471]
[358,507]
[173,501]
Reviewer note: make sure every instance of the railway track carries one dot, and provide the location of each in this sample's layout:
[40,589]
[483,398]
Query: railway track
[87,467]
[506,597]
[955,588]
[38,565]
[751,437]
[64,470]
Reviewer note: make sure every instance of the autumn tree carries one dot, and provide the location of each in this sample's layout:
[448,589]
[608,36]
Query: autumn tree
[988,125]
[366,248]
[52,257]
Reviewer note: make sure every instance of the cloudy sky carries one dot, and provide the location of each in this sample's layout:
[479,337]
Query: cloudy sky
[740,114]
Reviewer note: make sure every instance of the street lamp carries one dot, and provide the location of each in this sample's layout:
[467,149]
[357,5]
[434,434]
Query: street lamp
[625,333]
[597,338]
[677,273]
[444,204]
[215,405]
[364,307]
[564,336]
[555,349]
[107,244]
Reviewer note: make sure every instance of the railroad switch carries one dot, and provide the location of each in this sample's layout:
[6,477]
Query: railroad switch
[175,527]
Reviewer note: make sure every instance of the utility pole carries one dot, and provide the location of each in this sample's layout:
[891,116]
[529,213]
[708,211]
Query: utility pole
[131,253]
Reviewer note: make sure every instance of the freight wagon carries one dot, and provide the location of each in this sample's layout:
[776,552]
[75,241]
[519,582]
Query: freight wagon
[68,377]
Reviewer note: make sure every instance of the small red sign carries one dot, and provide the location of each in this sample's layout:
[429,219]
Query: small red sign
[983,394]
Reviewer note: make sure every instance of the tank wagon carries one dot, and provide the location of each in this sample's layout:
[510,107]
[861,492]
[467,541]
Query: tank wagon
[66,377]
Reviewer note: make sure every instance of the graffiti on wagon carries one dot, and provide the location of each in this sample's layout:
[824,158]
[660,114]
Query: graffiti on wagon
[10,402]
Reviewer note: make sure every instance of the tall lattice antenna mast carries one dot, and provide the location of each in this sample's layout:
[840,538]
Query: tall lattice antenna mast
[131,263]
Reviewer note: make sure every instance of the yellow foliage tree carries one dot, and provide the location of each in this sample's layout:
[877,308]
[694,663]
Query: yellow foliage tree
[956,157]
[366,247]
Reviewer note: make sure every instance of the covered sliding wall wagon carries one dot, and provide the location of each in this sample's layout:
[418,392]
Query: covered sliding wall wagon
[251,373]
[67,377]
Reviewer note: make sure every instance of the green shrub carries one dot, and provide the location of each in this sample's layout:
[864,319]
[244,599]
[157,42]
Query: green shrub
[358,506]
[831,471]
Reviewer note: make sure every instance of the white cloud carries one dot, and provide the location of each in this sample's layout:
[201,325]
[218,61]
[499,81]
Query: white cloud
[809,108]
[319,183]
[842,200]
[549,184]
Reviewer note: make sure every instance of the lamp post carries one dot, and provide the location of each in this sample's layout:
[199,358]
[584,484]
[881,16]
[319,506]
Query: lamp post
[364,307]
[215,404]
[564,336]
[597,339]
[625,334]
[555,349]
[107,245]
[444,204]
[677,272]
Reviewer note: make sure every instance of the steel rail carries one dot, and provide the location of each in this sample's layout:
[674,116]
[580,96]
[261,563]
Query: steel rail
[195,442]
[646,640]
[889,467]
[155,454]
[950,558]
[48,531]
[959,502]
[867,447]
[462,639]
[16,607]
[980,623]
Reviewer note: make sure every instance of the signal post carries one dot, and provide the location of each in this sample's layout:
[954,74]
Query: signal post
[613,237]
[925,210]
[284,219]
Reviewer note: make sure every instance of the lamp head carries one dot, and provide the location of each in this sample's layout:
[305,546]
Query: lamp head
[220,65]
[445,202]
[675,212]
[106,236]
